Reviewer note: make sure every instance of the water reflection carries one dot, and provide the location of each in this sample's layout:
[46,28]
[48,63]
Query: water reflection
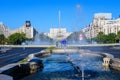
[57,67]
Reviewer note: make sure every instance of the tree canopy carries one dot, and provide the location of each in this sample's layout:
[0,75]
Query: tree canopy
[111,38]
[2,38]
[16,38]
[118,37]
[102,38]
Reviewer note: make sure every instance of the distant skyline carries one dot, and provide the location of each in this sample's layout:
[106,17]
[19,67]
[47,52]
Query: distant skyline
[43,14]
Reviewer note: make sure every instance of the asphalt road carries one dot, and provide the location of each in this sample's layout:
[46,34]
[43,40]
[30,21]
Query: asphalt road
[16,54]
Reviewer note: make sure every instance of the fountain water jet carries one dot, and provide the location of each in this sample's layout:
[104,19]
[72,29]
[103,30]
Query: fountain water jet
[40,39]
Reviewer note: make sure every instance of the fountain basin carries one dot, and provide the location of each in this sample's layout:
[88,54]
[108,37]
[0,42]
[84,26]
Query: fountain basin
[58,67]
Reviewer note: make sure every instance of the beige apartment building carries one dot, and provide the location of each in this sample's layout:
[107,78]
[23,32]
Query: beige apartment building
[26,28]
[4,30]
[102,22]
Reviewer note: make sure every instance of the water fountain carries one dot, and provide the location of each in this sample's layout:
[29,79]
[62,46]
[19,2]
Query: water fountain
[78,66]
[40,39]
[73,66]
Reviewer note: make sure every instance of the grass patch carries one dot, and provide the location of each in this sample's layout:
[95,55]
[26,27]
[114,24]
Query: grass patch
[51,48]
[24,60]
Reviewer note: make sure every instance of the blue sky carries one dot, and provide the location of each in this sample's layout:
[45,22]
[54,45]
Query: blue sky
[43,14]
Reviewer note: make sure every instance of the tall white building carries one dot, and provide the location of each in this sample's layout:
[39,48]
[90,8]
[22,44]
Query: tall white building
[58,33]
[102,22]
[4,30]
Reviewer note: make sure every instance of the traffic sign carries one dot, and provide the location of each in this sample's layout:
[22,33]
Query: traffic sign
[63,42]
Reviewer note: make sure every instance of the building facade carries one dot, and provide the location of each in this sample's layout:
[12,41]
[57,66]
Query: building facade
[102,22]
[26,28]
[4,30]
[58,34]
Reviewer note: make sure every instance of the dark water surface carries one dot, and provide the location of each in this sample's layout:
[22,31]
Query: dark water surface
[57,67]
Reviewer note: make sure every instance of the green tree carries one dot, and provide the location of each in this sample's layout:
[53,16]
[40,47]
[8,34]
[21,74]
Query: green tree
[101,37]
[118,36]
[2,38]
[111,38]
[16,38]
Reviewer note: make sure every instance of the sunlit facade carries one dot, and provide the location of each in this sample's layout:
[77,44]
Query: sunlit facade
[27,29]
[102,22]
[4,30]
[58,33]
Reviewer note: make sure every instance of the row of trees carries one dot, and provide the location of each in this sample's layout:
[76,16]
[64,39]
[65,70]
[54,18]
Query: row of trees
[110,38]
[2,39]
[16,38]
